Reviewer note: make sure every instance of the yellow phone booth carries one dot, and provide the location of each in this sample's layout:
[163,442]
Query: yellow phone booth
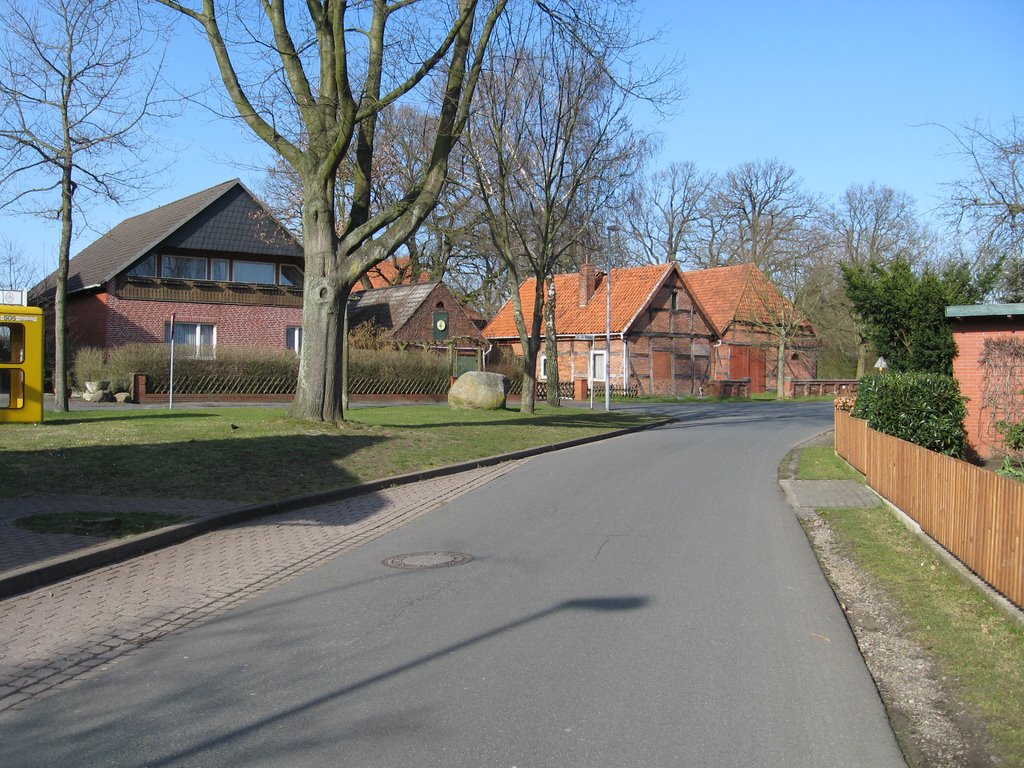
[21,364]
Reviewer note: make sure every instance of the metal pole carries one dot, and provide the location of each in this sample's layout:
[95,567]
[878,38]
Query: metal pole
[170,390]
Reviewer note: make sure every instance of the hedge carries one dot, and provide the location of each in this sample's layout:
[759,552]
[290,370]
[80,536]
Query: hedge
[926,409]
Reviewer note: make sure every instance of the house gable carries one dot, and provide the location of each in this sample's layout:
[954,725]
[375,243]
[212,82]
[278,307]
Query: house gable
[632,290]
[234,223]
[206,220]
[406,312]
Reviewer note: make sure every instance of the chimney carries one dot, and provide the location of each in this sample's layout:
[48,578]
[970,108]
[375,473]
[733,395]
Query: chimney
[588,281]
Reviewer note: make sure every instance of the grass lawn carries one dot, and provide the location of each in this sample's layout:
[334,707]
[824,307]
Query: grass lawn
[974,643]
[259,454]
[819,462]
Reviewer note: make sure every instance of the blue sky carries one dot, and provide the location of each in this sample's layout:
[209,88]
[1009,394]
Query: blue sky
[842,92]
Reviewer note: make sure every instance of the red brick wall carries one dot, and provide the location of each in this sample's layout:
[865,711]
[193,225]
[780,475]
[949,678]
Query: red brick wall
[800,364]
[663,356]
[131,321]
[87,320]
[970,335]
[420,326]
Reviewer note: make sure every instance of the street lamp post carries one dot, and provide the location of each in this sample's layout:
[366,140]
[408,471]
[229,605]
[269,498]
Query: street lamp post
[608,323]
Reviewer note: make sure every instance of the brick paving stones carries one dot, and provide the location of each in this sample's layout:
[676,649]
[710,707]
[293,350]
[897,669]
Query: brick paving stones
[833,494]
[58,634]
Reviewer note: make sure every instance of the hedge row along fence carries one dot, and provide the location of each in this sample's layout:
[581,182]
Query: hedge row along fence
[977,515]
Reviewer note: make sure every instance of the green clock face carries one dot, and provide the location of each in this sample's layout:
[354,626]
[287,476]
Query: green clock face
[440,325]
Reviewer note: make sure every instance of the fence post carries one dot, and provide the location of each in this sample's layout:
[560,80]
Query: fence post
[137,388]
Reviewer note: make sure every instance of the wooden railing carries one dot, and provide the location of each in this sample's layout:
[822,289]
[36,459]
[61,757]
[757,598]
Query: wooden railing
[977,515]
[819,387]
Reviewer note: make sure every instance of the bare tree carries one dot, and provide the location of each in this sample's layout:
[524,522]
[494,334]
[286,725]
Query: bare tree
[77,82]
[312,81]
[762,215]
[664,210]
[549,145]
[868,224]
[15,270]
[987,204]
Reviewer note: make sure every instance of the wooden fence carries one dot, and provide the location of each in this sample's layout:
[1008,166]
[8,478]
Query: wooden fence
[977,515]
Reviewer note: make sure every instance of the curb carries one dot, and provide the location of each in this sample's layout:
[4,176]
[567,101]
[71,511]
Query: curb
[54,569]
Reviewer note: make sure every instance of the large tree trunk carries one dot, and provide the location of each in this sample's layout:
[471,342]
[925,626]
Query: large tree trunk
[325,294]
[60,299]
[862,358]
[551,344]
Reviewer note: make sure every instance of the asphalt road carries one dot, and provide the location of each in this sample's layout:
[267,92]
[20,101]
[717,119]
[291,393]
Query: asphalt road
[644,601]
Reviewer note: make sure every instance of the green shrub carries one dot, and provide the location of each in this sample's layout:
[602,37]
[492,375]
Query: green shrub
[926,409]
[393,365]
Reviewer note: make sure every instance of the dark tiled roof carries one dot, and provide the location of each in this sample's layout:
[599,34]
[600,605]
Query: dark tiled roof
[391,307]
[226,217]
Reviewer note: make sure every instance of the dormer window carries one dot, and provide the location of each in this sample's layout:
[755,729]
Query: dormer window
[258,272]
[145,268]
[183,267]
[291,275]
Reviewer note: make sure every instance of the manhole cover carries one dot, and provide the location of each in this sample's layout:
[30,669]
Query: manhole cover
[415,560]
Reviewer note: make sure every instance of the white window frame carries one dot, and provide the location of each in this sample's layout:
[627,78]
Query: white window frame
[597,371]
[185,259]
[282,280]
[198,349]
[293,338]
[262,264]
[226,264]
[542,368]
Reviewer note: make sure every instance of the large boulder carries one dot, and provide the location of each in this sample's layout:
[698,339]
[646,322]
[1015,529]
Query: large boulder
[480,390]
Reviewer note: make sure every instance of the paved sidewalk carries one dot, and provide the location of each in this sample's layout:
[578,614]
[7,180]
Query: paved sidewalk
[58,634]
[829,494]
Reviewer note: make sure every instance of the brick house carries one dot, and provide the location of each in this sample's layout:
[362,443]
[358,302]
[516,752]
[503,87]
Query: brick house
[990,369]
[425,315]
[673,333]
[742,305]
[217,262]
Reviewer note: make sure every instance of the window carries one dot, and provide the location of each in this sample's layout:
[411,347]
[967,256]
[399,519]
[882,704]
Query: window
[597,363]
[220,269]
[12,344]
[293,338]
[197,340]
[675,300]
[291,275]
[542,369]
[254,272]
[12,385]
[145,268]
[184,267]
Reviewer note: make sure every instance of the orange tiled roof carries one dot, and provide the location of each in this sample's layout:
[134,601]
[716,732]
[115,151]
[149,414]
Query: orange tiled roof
[392,272]
[632,290]
[728,294]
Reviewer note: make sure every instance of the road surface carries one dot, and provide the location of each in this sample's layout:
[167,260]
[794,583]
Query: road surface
[649,600]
